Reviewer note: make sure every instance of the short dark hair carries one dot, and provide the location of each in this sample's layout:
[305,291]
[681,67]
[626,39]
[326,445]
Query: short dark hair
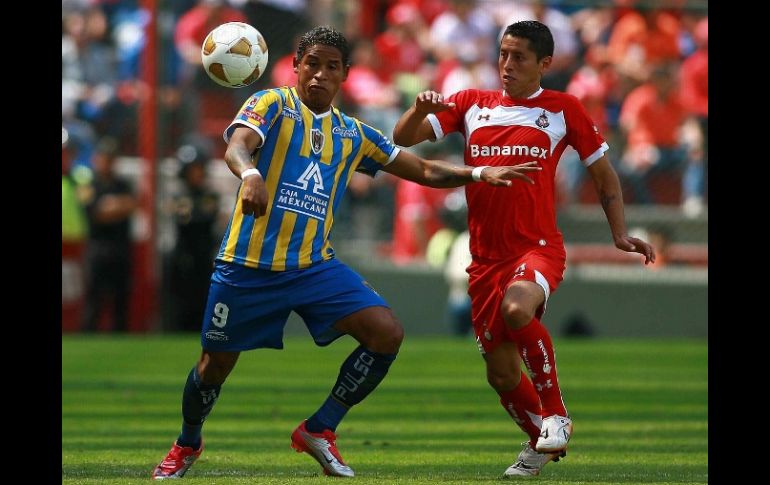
[538,34]
[325,35]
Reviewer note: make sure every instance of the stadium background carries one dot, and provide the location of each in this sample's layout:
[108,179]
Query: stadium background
[124,76]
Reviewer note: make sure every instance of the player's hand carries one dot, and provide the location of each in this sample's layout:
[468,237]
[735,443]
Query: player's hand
[635,245]
[254,196]
[431,102]
[501,176]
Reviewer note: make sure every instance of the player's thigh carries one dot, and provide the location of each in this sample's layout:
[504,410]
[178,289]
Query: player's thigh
[335,300]
[243,318]
[534,277]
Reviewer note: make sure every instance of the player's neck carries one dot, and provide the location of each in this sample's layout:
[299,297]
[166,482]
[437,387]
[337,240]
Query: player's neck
[527,93]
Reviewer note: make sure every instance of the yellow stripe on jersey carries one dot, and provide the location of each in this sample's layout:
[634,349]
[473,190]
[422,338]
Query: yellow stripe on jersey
[307,119]
[368,146]
[306,250]
[235,228]
[328,149]
[284,237]
[273,176]
[347,147]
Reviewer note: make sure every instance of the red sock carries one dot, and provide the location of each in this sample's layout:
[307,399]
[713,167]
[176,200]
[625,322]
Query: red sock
[536,350]
[523,405]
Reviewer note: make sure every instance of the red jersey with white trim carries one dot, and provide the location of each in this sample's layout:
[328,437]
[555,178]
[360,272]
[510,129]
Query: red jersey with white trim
[506,222]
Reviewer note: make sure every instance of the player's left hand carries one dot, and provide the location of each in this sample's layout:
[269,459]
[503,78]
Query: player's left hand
[501,176]
[431,102]
[635,245]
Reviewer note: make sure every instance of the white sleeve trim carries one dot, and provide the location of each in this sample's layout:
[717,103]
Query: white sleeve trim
[226,135]
[436,126]
[596,155]
[393,155]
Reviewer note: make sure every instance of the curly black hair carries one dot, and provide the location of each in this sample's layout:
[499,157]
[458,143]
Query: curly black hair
[325,35]
[538,34]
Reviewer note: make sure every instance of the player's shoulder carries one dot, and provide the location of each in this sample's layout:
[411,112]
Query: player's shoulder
[270,95]
[558,97]
[481,98]
[352,123]
[561,102]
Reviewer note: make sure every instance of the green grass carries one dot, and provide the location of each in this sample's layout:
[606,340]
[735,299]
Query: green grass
[640,411]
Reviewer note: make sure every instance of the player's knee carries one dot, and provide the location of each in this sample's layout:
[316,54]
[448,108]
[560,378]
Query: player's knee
[515,314]
[214,371]
[388,337]
[502,381]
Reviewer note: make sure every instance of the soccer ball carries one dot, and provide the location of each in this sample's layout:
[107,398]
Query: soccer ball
[234,54]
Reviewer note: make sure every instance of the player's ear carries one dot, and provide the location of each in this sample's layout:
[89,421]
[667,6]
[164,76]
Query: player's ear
[295,62]
[545,63]
[345,72]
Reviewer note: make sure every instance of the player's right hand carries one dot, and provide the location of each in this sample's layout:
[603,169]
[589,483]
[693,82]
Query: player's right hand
[501,176]
[431,102]
[254,196]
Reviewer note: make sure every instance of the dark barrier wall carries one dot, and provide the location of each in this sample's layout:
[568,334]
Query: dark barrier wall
[603,301]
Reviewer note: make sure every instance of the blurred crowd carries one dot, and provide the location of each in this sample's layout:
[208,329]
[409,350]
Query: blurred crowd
[640,67]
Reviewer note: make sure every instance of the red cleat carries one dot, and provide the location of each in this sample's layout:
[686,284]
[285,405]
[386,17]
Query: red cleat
[177,462]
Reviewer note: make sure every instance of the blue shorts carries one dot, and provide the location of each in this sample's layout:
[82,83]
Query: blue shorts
[248,308]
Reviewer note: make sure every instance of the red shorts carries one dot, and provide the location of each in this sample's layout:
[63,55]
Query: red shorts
[489,281]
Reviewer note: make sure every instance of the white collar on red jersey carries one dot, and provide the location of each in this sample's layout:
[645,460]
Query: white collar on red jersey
[533,95]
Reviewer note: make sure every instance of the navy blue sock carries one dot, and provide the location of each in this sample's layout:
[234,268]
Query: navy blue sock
[197,401]
[361,372]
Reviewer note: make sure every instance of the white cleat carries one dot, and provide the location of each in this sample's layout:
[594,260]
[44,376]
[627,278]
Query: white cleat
[554,434]
[323,448]
[530,462]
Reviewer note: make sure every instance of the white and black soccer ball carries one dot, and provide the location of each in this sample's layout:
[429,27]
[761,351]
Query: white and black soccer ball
[234,54]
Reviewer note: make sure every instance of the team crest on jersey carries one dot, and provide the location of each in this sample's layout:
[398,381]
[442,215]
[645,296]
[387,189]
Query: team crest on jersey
[316,141]
[542,120]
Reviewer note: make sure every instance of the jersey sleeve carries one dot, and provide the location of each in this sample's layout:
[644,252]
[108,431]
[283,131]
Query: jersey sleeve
[452,120]
[259,113]
[376,149]
[583,135]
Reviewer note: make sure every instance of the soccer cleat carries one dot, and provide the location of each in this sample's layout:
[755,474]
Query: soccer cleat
[177,462]
[554,434]
[530,462]
[322,448]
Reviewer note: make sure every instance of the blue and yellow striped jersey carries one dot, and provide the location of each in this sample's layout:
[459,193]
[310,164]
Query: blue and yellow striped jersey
[307,161]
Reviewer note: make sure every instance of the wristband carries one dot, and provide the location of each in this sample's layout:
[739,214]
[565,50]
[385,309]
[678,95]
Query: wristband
[250,171]
[476,173]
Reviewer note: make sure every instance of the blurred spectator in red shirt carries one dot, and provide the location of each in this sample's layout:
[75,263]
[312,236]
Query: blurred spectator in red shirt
[402,46]
[695,98]
[283,69]
[417,218]
[660,137]
[643,39]
[193,26]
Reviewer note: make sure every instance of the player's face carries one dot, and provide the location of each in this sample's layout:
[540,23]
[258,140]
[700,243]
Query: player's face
[320,73]
[520,70]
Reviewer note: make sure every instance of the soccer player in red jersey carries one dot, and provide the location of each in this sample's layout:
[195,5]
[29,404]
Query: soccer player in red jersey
[518,252]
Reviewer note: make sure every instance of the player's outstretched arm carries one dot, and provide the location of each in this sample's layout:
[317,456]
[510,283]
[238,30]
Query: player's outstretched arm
[607,186]
[442,174]
[413,127]
[243,142]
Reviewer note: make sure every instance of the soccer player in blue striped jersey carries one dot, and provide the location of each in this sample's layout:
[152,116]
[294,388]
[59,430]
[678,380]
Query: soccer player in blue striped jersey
[295,154]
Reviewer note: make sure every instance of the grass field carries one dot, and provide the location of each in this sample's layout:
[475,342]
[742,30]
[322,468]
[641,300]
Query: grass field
[640,410]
